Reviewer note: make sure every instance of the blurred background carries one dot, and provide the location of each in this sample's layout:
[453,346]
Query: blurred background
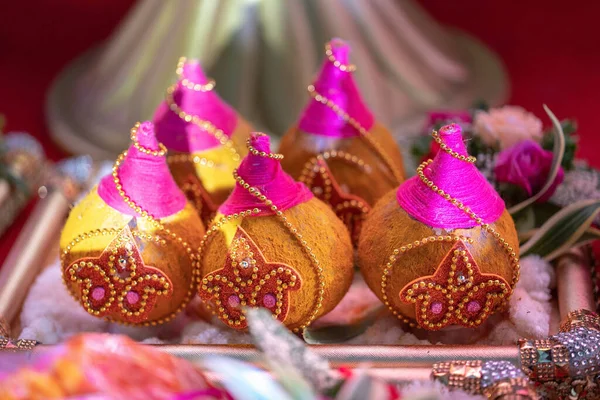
[549,52]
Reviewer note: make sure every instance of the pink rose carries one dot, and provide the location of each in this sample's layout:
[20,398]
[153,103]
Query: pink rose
[527,165]
[507,126]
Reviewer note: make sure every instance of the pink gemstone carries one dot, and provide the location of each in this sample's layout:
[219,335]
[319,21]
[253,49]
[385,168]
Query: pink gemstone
[132,297]
[233,301]
[98,293]
[473,306]
[269,301]
[436,307]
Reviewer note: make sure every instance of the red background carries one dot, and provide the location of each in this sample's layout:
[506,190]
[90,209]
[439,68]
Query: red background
[551,50]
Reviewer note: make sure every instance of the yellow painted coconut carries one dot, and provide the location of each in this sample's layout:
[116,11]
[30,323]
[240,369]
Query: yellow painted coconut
[128,249]
[274,245]
[442,249]
[205,138]
[344,156]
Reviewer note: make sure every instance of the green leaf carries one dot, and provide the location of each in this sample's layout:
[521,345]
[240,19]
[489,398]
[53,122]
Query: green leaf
[558,150]
[562,230]
[420,147]
[280,347]
[340,333]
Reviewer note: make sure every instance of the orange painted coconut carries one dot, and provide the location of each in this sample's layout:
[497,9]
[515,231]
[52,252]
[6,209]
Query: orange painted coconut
[273,245]
[344,156]
[442,249]
[128,248]
[205,137]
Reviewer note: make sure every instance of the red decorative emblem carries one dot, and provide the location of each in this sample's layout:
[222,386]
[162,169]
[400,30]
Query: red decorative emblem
[458,293]
[118,285]
[194,191]
[248,279]
[351,209]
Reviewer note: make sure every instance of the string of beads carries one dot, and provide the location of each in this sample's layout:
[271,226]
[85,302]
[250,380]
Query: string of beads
[198,87]
[215,227]
[155,222]
[336,62]
[513,258]
[201,123]
[361,130]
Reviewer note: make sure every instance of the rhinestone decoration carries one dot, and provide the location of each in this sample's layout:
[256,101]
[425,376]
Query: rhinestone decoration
[248,279]
[7,344]
[463,375]
[494,371]
[110,283]
[581,318]
[583,347]
[467,302]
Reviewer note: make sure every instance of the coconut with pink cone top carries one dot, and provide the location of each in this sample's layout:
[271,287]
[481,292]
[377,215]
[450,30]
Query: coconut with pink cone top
[127,249]
[442,249]
[273,245]
[337,148]
[204,136]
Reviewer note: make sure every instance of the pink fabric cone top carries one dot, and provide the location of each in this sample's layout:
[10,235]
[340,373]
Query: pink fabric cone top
[179,135]
[339,87]
[459,179]
[267,176]
[145,178]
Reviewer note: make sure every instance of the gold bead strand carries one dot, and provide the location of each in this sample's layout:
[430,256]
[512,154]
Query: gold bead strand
[361,130]
[153,220]
[336,63]
[514,259]
[198,87]
[201,123]
[444,146]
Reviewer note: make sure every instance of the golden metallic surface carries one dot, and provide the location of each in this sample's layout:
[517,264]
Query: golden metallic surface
[574,283]
[26,258]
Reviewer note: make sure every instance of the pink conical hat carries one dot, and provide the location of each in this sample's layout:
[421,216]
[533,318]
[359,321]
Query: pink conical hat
[460,179]
[339,87]
[145,178]
[268,177]
[179,135]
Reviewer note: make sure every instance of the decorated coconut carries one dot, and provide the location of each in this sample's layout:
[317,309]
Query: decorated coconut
[337,148]
[128,248]
[442,249]
[205,138]
[273,245]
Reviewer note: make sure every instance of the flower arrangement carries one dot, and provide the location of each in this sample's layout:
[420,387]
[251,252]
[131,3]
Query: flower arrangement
[553,197]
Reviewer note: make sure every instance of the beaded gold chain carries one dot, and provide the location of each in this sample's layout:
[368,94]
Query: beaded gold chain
[336,62]
[198,87]
[201,123]
[356,125]
[444,146]
[156,153]
[154,221]
[287,224]
[514,259]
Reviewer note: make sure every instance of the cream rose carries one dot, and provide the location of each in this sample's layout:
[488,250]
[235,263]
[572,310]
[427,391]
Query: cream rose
[507,126]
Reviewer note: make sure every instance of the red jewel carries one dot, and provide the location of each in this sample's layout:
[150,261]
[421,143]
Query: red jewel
[118,283]
[458,293]
[248,279]
[351,209]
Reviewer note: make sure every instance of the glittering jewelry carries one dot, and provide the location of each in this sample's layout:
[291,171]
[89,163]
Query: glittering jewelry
[214,228]
[248,278]
[336,62]
[458,293]
[444,146]
[251,149]
[145,150]
[202,124]
[198,87]
[158,225]
[363,132]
